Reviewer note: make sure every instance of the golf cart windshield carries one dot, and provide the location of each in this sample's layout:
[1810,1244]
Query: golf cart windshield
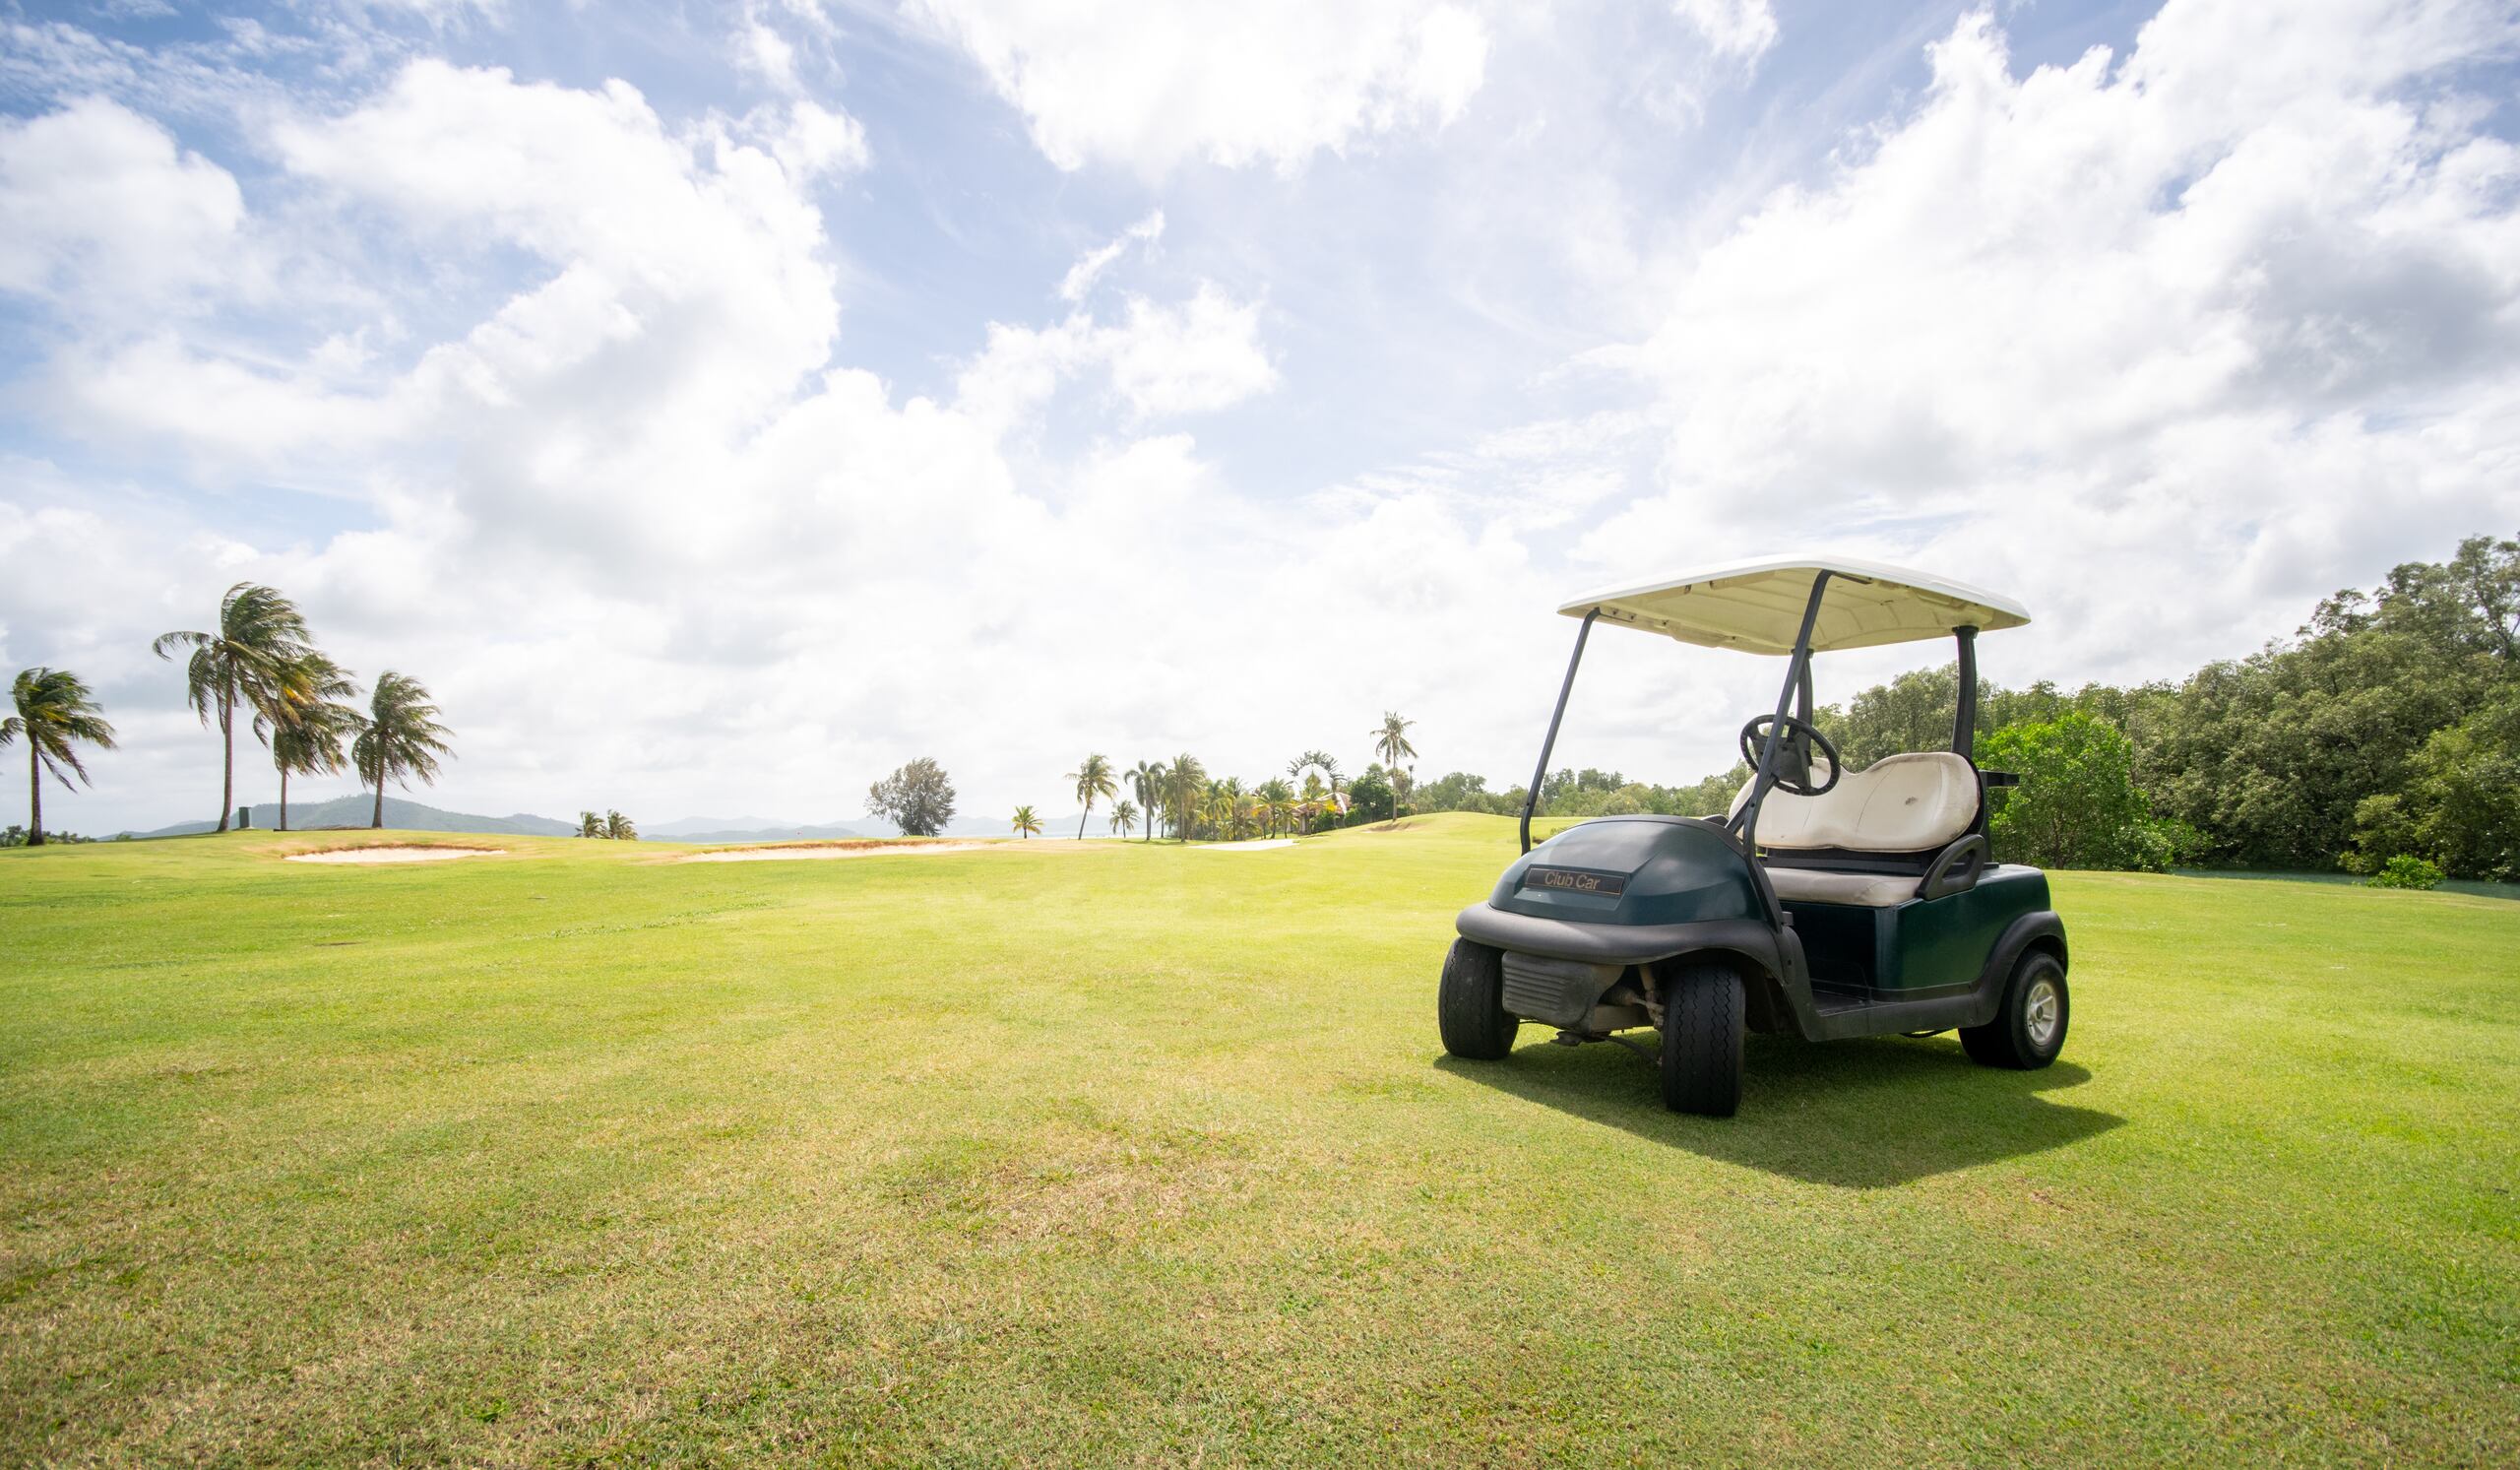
[1796,606]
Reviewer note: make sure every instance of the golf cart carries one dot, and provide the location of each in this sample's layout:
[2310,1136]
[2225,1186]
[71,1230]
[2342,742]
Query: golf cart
[1826,903]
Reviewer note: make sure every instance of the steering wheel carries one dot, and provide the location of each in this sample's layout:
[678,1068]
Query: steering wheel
[1754,735]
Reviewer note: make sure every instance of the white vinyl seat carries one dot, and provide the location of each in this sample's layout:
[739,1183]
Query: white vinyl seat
[1861,890]
[1901,803]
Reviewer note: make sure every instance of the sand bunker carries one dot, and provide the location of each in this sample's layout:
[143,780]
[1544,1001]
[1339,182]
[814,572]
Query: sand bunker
[392,854]
[1245,846]
[807,851]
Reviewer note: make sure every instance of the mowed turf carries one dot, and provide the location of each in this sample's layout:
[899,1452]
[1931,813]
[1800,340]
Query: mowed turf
[1121,1153]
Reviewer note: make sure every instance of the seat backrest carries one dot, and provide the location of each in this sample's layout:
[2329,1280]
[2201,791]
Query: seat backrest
[1900,803]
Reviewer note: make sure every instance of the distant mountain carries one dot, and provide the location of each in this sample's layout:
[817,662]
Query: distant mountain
[410,816]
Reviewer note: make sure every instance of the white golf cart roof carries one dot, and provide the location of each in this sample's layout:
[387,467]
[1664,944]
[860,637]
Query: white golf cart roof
[1757,606]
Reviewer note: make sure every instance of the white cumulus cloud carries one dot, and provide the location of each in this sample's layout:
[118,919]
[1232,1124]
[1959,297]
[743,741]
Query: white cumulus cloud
[1732,28]
[2162,338]
[1088,267]
[98,205]
[1151,86]
[1196,357]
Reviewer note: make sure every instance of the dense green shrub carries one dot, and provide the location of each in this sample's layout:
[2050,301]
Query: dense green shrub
[2077,805]
[2404,870]
[1369,797]
[2460,805]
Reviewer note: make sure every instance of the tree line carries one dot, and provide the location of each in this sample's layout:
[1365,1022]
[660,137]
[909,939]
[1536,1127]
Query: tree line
[258,666]
[1179,797]
[2385,728]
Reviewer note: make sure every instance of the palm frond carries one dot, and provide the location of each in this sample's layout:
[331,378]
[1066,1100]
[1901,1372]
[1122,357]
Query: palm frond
[400,739]
[56,714]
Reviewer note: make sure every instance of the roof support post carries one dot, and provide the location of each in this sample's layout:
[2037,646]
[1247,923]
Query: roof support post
[1796,760]
[1795,672]
[1548,742]
[1964,721]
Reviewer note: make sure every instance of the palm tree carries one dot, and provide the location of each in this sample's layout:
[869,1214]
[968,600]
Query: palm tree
[1093,783]
[304,721]
[1277,800]
[620,828]
[1391,742]
[400,739]
[1183,784]
[1327,765]
[1322,791]
[590,824]
[1146,783]
[55,712]
[261,634]
[1124,818]
[1026,823]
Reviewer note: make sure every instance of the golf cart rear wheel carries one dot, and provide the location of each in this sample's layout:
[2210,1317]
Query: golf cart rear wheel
[2029,1028]
[1702,1026]
[1470,1006]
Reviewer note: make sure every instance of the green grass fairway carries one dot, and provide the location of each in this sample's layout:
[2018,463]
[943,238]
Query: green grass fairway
[1125,1154]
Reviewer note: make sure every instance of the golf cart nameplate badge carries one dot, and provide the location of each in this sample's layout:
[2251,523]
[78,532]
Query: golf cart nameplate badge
[1572,881]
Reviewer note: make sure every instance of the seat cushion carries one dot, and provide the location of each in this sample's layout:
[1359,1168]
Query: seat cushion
[1862,891]
[1900,803]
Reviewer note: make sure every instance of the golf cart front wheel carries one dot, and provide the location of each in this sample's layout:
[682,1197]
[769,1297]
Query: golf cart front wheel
[2029,1028]
[1470,1006]
[1702,1028]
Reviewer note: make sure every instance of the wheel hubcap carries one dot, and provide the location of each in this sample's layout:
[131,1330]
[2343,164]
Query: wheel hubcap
[2043,1012]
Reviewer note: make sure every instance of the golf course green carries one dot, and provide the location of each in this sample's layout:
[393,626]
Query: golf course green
[1142,1153]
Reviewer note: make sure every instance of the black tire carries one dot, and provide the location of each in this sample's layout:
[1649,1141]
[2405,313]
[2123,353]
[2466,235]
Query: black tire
[1702,1028]
[2029,1028]
[1470,1006]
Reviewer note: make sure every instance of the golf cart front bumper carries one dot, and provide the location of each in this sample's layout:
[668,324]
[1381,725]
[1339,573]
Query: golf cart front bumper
[1615,944]
[1569,973]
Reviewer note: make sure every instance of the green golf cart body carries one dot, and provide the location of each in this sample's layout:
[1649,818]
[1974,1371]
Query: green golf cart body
[1825,904]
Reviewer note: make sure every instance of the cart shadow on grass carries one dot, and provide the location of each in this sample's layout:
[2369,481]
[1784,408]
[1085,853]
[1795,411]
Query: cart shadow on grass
[1859,1114]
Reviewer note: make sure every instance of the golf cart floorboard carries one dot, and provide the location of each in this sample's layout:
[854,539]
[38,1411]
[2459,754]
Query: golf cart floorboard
[1836,1000]
[1841,1010]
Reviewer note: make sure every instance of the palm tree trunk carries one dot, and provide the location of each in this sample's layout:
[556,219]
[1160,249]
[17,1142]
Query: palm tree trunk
[1080,821]
[283,798]
[379,819]
[35,793]
[227,756]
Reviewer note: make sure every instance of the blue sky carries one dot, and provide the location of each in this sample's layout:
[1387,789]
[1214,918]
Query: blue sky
[718,405]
